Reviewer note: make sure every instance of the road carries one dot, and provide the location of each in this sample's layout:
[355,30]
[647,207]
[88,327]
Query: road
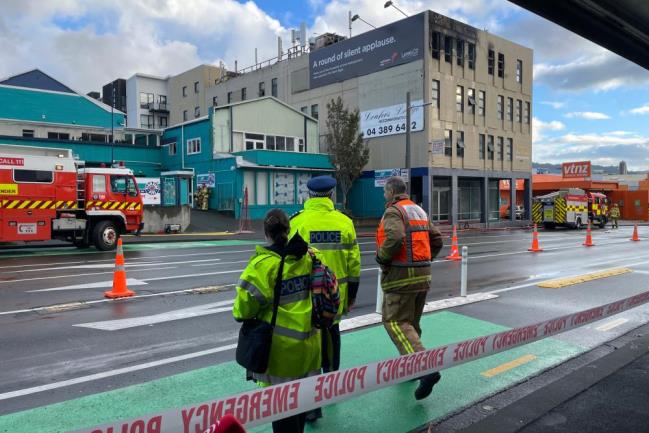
[61,340]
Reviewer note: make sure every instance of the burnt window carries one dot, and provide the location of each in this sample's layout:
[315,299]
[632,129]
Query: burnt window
[501,65]
[490,62]
[435,44]
[448,48]
[471,59]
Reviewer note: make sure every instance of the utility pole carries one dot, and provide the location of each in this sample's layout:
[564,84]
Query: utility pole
[409,190]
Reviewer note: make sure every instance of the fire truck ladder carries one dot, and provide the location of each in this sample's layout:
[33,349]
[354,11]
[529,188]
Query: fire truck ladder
[81,191]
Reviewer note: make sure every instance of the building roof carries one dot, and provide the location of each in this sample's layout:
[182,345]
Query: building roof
[248,101]
[38,80]
[547,182]
[48,106]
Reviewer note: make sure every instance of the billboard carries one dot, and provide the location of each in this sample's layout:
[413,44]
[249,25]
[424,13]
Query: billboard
[207,179]
[575,169]
[391,45]
[381,176]
[392,119]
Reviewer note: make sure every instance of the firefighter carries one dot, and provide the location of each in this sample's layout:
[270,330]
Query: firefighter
[332,233]
[615,216]
[203,196]
[295,349]
[406,245]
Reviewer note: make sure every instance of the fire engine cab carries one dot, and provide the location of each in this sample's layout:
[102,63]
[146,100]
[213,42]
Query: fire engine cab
[572,208]
[46,194]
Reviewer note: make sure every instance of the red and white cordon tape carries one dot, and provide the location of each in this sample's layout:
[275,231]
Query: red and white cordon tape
[264,405]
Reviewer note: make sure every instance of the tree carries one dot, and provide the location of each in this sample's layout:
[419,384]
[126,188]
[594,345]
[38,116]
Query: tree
[349,152]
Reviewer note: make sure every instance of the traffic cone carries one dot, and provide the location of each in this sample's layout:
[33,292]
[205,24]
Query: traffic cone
[635,236]
[589,238]
[455,253]
[119,276]
[535,242]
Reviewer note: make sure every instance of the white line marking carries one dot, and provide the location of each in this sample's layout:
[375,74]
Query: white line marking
[101,301]
[111,373]
[183,313]
[99,285]
[128,265]
[222,263]
[612,324]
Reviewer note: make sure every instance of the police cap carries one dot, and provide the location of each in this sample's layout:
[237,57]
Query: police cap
[321,186]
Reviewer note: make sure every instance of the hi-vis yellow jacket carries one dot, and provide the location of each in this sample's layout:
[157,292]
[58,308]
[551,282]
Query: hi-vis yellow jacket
[295,351]
[332,233]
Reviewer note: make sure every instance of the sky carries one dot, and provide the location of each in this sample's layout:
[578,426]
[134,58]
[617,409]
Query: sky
[588,103]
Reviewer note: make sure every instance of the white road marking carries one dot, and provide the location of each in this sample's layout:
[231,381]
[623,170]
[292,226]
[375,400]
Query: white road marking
[222,263]
[128,265]
[116,372]
[99,285]
[101,301]
[612,324]
[183,313]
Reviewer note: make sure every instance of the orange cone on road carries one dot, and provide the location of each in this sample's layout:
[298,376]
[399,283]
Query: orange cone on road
[535,242]
[455,253]
[635,236]
[589,238]
[119,276]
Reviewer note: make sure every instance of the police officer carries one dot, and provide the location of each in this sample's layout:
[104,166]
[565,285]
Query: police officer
[615,216]
[406,244]
[295,351]
[333,234]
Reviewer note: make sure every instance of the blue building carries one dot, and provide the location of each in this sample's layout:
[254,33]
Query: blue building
[262,148]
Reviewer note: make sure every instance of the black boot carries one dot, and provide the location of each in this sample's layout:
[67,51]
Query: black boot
[426,385]
[313,415]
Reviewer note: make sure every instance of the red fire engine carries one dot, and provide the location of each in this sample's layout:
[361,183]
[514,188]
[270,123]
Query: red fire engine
[46,194]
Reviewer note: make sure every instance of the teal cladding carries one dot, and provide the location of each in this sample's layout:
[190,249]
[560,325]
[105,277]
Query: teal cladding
[48,107]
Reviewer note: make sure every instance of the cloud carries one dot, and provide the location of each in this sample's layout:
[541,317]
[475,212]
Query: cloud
[587,115]
[554,104]
[600,148]
[640,110]
[539,127]
[156,37]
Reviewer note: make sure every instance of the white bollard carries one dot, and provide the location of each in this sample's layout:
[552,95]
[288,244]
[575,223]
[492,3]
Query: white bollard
[379,294]
[465,260]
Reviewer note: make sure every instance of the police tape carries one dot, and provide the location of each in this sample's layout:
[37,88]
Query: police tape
[263,405]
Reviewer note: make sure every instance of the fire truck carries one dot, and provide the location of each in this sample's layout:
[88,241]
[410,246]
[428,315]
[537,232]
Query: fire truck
[45,193]
[572,208]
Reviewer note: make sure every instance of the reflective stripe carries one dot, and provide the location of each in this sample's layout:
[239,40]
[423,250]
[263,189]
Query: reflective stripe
[292,333]
[333,246]
[106,205]
[402,337]
[405,282]
[254,291]
[46,204]
[13,204]
[274,380]
[35,204]
[59,203]
[410,264]
[294,297]
[24,204]
[123,205]
[119,268]
[115,205]
[353,279]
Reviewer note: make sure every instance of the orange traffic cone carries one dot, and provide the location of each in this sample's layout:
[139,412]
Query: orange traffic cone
[455,253]
[535,242]
[589,238]
[635,236]
[119,276]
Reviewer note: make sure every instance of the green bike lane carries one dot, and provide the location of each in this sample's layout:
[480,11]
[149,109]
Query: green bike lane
[392,409]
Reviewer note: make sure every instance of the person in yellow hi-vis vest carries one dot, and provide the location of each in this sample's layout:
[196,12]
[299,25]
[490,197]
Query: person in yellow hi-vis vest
[332,233]
[615,216]
[407,242]
[295,349]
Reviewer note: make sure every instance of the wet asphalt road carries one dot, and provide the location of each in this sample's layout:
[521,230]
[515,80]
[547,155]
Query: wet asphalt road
[64,342]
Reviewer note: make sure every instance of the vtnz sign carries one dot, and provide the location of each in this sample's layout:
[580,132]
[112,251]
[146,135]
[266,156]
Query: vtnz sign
[575,169]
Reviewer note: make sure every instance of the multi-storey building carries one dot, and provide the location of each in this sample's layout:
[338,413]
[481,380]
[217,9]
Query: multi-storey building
[146,101]
[114,94]
[187,92]
[471,98]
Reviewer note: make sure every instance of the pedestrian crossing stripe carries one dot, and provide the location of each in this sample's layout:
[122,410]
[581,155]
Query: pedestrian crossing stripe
[113,205]
[577,208]
[38,204]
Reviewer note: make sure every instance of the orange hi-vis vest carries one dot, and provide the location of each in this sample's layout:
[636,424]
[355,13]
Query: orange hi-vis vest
[415,250]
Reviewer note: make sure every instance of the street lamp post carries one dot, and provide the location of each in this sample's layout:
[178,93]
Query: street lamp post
[390,3]
[112,128]
[358,17]
[408,130]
